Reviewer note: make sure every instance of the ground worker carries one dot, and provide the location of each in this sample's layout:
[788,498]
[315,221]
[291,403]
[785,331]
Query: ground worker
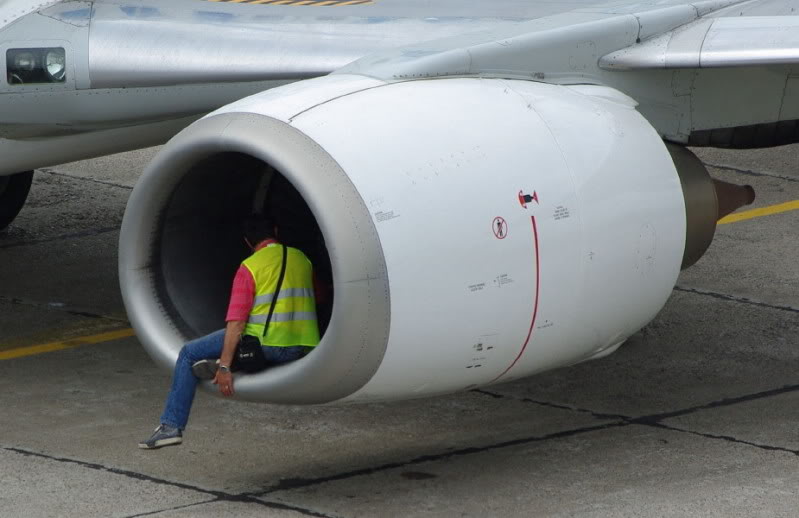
[292,331]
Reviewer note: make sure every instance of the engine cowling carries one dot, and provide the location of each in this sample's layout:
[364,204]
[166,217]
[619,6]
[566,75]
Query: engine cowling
[474,231]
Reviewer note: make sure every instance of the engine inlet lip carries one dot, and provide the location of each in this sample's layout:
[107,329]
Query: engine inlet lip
[357,337]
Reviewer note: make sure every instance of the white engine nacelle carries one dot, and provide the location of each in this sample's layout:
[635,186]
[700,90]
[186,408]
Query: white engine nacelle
[478,230]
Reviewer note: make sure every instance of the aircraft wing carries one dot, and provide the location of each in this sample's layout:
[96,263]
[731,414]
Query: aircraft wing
[130,66]
[168,43]
[134,73]
[663,58]
[665,38]
[743,41]
[124,75]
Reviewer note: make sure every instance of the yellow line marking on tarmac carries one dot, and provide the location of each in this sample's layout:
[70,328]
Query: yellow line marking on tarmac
[66,344]
[757,213]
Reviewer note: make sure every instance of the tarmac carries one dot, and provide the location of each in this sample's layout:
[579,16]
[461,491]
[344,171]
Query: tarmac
[696,415]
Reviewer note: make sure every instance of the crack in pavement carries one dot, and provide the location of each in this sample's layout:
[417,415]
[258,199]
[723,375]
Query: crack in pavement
[83,178]
[726,438]
[549,404]
[65,309]
[655,420]
[271,505]
[733,298]
[219,495]
[297,483]
[749,172]
[176,508]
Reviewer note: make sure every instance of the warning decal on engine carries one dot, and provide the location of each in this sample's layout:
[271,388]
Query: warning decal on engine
[561,213]
[525,199]
[382,216]
[480,356]
[500,227]
[502,280]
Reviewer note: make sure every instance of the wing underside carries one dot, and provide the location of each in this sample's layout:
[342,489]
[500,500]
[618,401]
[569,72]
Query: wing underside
[708,73]
[715,43]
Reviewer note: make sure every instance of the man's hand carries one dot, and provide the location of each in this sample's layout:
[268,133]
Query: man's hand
[233,331]
[225,382]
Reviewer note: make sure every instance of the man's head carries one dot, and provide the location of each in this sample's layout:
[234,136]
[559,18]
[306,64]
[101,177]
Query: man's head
[257,229]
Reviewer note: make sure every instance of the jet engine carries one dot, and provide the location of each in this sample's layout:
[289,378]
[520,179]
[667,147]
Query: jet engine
[471,231]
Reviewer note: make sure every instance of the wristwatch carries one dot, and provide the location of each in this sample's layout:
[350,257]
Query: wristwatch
[224,368]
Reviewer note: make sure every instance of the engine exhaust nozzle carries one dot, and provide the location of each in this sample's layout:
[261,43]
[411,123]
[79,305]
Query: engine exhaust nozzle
[732,197]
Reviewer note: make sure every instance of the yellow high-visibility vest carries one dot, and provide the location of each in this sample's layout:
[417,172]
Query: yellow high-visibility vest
[294,319]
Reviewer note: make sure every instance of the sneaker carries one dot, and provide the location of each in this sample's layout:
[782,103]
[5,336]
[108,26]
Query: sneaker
[205,369]
[164,435]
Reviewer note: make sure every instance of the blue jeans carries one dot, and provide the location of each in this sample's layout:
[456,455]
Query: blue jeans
[184,384]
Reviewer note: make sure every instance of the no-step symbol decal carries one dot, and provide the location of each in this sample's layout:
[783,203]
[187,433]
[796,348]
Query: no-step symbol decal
[500,227]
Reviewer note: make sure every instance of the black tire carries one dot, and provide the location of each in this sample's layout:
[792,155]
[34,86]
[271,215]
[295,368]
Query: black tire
[13,193]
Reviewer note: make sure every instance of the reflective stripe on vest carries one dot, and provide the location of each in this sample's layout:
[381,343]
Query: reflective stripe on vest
[294,318]
[292,292]
[283,317]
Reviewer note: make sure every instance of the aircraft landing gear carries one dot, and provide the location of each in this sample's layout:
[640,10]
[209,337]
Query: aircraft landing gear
[13,193]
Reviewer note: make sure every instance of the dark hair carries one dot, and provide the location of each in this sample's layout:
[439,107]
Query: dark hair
[258,228]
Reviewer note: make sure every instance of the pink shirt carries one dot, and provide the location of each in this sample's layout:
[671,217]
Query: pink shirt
[243,292]
[241,296]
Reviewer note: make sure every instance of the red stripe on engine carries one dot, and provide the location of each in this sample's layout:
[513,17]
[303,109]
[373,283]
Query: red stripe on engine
[535,307]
